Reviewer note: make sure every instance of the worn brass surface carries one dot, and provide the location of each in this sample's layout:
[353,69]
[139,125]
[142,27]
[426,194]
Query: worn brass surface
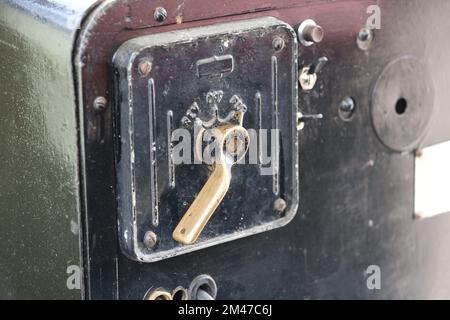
[231,151]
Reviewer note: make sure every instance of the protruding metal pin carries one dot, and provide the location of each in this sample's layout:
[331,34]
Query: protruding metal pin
[313,33]
[308,75]
[309,117]
[309,33]
[318,65]
[302,118]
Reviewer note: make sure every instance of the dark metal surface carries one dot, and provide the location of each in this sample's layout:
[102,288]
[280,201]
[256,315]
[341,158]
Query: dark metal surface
[356,195]
[264,78]
[39,176]
[402,103]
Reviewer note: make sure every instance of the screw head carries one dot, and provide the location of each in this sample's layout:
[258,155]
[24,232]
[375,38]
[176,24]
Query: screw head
[100,104]
[279,205]
[347,104]
[278,43]
[150,239]
[145,67]
[160,14]
[347,108]
[363,34]
[364,38]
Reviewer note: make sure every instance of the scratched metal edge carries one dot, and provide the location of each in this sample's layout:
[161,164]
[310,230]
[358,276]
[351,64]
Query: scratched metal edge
[428,141]
[81,40]
[129,51]
[84,259]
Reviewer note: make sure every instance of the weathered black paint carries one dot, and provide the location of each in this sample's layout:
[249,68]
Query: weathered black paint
[263,78]
[356,195]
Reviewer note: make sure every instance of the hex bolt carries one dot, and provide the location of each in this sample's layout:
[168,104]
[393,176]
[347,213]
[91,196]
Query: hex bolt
[100,104]
[150,239]
[364,38]
[279,205]
[160,14]
[145,67]
[278,43]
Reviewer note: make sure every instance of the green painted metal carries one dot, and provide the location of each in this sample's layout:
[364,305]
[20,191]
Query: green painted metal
[39,173]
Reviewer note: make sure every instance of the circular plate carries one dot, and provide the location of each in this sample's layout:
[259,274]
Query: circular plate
[402,104]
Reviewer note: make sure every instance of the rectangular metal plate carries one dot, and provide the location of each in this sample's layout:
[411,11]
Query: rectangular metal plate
[158,78]
[432,181]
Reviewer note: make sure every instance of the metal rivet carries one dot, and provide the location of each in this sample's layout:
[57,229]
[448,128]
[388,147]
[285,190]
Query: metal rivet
[145,67]
[150,239]
[160,14]
[279,205]
[347,108]
[100,104]
[364,38]
[278,43]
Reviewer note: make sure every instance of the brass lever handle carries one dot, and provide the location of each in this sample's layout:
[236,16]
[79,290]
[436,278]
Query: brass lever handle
[233,141]
[201,210]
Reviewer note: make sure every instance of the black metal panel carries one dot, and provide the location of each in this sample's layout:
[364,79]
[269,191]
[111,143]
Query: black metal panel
[154,108]
[356,206]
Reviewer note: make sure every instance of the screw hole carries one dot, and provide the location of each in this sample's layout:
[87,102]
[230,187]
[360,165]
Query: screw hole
[278,43]
[401,106]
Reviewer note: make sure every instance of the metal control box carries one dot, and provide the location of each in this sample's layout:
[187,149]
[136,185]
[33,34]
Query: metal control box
[165,84]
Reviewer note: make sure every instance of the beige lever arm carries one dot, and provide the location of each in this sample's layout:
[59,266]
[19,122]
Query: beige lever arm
[201,210]
[233,143]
